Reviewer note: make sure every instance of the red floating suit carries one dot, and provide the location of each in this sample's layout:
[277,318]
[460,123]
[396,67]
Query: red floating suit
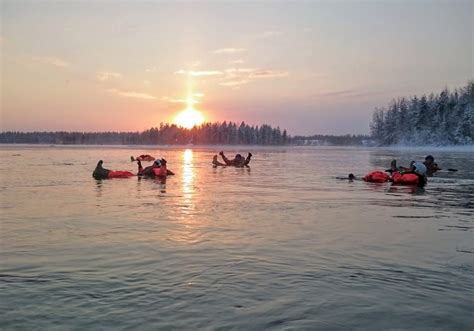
[160,172]
[119,174]
[399,178]
[376,177]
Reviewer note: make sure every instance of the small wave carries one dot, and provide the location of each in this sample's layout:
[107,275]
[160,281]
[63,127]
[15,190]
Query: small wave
[464,251]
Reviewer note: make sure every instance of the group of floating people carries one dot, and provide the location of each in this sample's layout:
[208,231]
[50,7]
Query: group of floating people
[415,174]
[159,167]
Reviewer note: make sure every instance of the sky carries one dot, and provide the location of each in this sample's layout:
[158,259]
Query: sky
[312,67]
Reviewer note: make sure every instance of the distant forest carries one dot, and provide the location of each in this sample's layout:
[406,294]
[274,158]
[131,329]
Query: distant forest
[226,133]
[446,118]
[442,119]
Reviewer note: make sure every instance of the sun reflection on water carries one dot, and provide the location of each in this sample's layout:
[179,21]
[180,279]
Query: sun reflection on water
[188,181]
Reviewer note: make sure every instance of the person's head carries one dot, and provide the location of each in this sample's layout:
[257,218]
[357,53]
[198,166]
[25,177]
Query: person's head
[351,176]
[157,163]
[238,157]
[418,168]
[429,160]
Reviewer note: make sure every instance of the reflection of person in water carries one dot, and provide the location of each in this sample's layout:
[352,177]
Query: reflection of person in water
[238,161]
[158,169]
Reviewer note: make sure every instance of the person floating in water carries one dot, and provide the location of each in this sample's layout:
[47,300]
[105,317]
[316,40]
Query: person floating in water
[238,161]
[416,167]
[101,173]
[431,166]
[158,169]
[349,177]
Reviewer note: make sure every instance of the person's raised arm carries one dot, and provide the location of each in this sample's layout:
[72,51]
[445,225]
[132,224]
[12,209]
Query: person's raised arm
[226,160]
[247,160]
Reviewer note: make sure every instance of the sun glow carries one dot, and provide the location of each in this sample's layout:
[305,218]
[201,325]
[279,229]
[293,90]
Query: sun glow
[189,117]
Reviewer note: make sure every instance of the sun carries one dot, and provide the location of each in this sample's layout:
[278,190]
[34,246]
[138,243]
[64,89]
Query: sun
[189,118]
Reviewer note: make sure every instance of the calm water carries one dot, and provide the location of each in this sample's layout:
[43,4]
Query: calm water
[283,244]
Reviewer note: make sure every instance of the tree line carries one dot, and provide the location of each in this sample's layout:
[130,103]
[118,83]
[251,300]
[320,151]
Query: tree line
[166,134]
[225,133]
[446,118]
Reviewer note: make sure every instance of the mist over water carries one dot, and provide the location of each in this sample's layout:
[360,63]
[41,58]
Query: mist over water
[283,244]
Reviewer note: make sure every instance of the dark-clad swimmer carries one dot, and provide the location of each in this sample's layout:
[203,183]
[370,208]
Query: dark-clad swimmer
[100,172]
[238,161]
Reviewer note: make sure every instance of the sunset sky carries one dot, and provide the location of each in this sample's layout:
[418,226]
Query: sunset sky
[310,67]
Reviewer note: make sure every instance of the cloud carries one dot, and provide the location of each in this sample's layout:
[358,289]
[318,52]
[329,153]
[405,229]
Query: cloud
[269,34]
[234,83]
[131,94]
[240,70]
[174,100]
[237,62]
[54,61]
[350,93]
[152,69]
[269,73]
[198,94]
[199,73]
[235,77]
[195,64]
[229,50]
[106,76]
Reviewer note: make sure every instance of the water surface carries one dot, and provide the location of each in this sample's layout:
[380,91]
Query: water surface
[283,244]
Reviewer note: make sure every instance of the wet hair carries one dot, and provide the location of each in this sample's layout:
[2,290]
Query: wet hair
[351,176]
[429,157]
[238,156]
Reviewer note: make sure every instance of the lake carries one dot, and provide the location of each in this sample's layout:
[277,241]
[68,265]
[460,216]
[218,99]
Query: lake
[283,244]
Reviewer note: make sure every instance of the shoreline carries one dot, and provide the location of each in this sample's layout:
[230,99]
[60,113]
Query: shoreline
[461,148]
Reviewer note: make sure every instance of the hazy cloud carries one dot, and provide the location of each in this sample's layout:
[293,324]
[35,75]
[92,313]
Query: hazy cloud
[239,76]
[229,50]
[269,74]
[349,93]
[195,64]
[243,70]
[234,83]
[54,61]
[176,100]
[269,34]
[105,76]
[237,62]
[131,94]
[152,69]
[199,73]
